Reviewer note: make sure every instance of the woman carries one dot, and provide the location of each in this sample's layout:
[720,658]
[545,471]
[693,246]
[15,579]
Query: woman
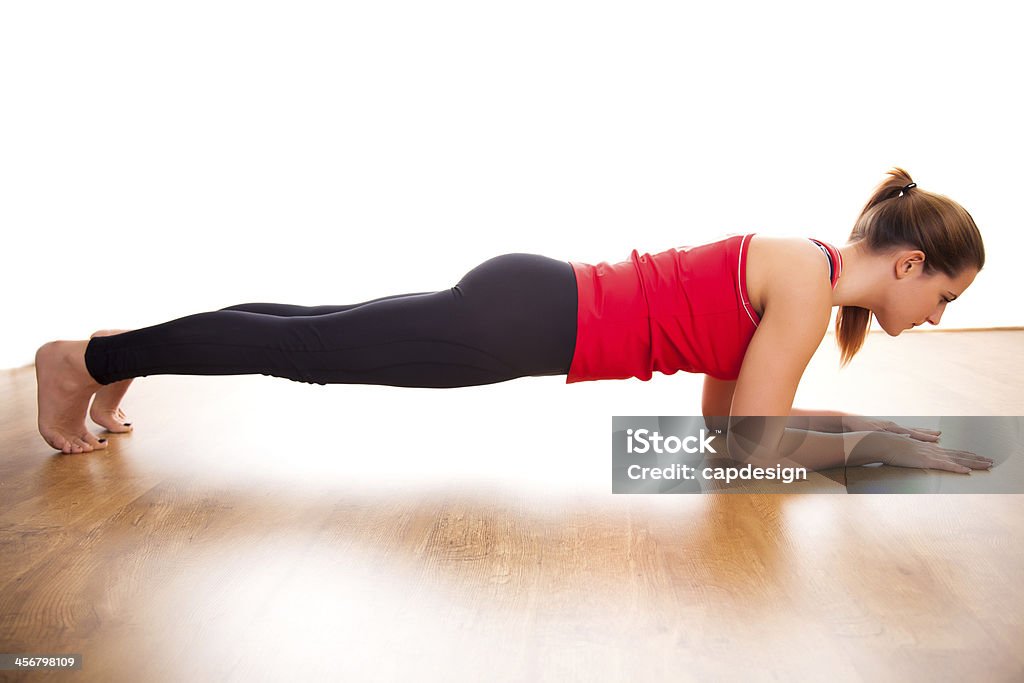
[748,311]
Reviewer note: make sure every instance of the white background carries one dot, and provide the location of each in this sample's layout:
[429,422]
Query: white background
[158,160]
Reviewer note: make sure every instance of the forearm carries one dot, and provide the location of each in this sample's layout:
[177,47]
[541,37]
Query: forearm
[814,450]
[807,420]
[817,420]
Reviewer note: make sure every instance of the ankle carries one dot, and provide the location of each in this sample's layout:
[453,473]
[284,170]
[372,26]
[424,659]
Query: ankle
[74,358]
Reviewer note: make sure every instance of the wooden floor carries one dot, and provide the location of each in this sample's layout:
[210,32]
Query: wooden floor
[253,528]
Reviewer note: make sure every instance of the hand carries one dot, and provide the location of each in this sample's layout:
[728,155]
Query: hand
[912,453]
[856,423]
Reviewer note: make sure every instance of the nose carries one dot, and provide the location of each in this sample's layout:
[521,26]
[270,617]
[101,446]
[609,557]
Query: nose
[936,315]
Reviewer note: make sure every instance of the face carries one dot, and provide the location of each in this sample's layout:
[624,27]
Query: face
[913,298]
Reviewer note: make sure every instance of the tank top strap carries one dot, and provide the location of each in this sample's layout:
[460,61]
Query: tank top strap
[835,260]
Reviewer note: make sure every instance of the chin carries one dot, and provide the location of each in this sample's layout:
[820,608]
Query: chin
[888,330]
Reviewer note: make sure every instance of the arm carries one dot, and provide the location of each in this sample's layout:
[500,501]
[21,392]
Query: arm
[759,421]
[716,402]
[835,421]
[797,311]
[747,442]
[817,450]
[851,446]
[818,420]
[810,449]
[716,405]
[797,308]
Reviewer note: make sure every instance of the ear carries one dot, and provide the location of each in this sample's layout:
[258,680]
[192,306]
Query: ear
[908,262]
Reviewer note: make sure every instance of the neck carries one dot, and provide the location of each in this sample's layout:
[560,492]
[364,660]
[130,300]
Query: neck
[859,283]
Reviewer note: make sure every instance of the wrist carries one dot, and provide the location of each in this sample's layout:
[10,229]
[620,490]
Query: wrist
[864,448]
[816,421]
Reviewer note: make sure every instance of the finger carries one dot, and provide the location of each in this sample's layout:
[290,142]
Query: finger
[977,462]
[914,433]
[921,435]
[971,454]
[950,466]
[963,454]
[973,463]
[895,428]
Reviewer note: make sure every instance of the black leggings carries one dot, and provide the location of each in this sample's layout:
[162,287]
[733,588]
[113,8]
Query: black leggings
[511,316]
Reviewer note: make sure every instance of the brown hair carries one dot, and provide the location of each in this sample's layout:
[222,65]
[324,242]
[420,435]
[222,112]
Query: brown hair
[915,219]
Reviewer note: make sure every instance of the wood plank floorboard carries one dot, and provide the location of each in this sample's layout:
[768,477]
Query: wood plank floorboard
[253,528]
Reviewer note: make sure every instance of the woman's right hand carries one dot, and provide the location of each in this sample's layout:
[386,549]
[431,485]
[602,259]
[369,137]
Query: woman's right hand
[909,452]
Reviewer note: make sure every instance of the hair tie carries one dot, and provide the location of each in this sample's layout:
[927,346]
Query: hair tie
[903,191]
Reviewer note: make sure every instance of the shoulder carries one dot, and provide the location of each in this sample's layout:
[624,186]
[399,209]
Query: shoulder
[787,270]
[787,252]
[796,296]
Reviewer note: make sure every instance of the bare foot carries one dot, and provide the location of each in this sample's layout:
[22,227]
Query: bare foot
[64,389]
[106,407]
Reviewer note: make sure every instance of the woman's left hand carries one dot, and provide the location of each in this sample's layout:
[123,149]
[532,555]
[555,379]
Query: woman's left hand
[856,423]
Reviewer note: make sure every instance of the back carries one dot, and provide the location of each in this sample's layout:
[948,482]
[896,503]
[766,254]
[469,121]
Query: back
[685,308]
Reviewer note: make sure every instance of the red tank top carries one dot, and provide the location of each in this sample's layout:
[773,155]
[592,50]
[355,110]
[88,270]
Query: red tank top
[685,308]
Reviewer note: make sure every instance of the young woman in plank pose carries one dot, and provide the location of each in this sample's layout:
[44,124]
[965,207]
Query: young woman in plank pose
[747,311]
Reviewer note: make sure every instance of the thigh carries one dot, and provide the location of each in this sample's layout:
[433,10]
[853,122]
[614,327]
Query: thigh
[511,316]
[293,309]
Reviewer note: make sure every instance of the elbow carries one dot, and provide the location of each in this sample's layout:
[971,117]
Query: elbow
[755,439]
[739,448]
[716,423]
